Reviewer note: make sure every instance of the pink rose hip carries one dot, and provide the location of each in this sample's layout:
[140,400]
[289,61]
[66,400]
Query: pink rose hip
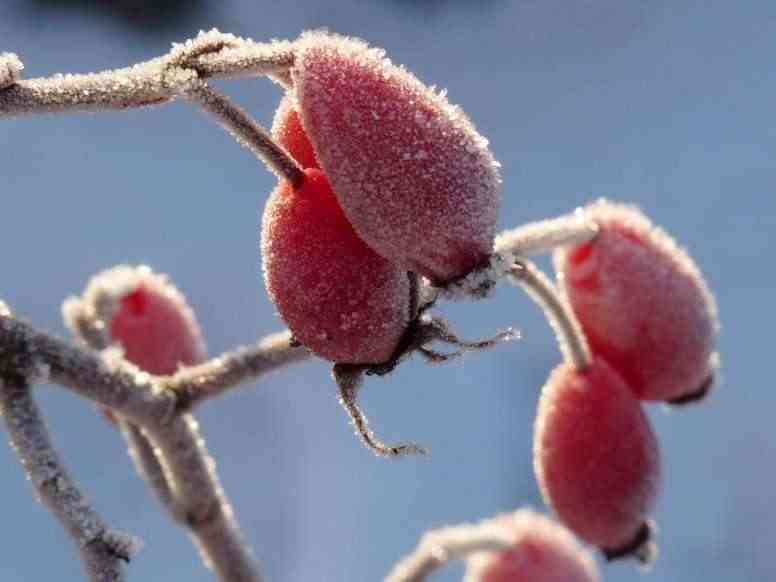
[642,304]
[411,173]
[340,299]
[596,458]
[543,551]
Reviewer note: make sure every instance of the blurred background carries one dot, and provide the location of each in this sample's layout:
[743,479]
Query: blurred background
[666,104]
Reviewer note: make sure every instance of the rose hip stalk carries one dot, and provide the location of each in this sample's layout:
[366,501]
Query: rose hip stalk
[642,304]
[410,171]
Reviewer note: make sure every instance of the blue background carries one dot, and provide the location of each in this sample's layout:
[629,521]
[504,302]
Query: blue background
[666,104]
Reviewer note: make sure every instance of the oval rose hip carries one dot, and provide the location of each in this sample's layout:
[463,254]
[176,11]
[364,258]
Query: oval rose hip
[543,551]
[412,174]
[596,458]
[340,299]
[642,304]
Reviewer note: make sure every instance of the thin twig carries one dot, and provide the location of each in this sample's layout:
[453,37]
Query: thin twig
[438,548]
[196,384]
[571,339]
[102,550]
[200,503]
[246,131]
[209,55]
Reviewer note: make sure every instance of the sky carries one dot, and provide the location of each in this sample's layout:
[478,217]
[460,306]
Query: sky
[666,105]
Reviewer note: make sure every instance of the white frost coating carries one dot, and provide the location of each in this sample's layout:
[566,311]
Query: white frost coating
[414,177]
[481,282]
[10,69]
[546,235]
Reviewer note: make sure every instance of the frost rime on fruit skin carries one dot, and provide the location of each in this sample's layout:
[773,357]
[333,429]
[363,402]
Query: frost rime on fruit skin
[411,172]
[340,299]
[543,551]
[596,458]
[642,304]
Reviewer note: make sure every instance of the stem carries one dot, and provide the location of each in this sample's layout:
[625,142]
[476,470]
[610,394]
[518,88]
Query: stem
[571,339]
[438,548]
[545,235]
[209,55]
[246,131]
[102,550]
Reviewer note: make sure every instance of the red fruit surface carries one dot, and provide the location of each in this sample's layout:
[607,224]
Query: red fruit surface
[543,551]
[154,326]
[340,299]
[287,130]
[595,455]
[642,303]
[412,174]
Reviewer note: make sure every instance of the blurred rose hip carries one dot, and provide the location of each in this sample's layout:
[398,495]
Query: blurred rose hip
[643,304]
[596,457]
[411,173]
[543,551]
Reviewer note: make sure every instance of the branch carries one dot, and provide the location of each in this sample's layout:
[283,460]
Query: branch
[102,550]
[210,55]
[211,379]
[199,501]
[545,235]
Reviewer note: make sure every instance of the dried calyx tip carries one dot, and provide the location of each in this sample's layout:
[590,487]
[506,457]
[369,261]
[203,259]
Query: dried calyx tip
[642,547]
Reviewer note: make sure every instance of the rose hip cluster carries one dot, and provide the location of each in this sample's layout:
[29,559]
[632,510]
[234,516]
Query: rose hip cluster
[397,183]
[651,325]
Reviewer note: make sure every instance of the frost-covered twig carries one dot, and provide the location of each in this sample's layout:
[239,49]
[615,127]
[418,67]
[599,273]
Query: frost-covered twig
[246,131]
[199,501]
[102,550]
[571,339]
[209,55]
[213,378]
[539,237]
[438,548]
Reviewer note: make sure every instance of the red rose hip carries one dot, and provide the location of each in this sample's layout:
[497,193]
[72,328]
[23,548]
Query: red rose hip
[411,173]
[340,299]
[642,304]
[287,130]
[596,457]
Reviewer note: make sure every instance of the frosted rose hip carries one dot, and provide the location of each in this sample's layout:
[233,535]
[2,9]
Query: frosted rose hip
[543,551]
[340,299]
[287,130]
[412,174]
[595,455]
[642,304]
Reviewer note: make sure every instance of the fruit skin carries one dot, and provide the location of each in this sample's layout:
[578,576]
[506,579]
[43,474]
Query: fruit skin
[543,551]
[412,174]
[642,303]
[287,130]
[596,458]
[154,325]
[341,300]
